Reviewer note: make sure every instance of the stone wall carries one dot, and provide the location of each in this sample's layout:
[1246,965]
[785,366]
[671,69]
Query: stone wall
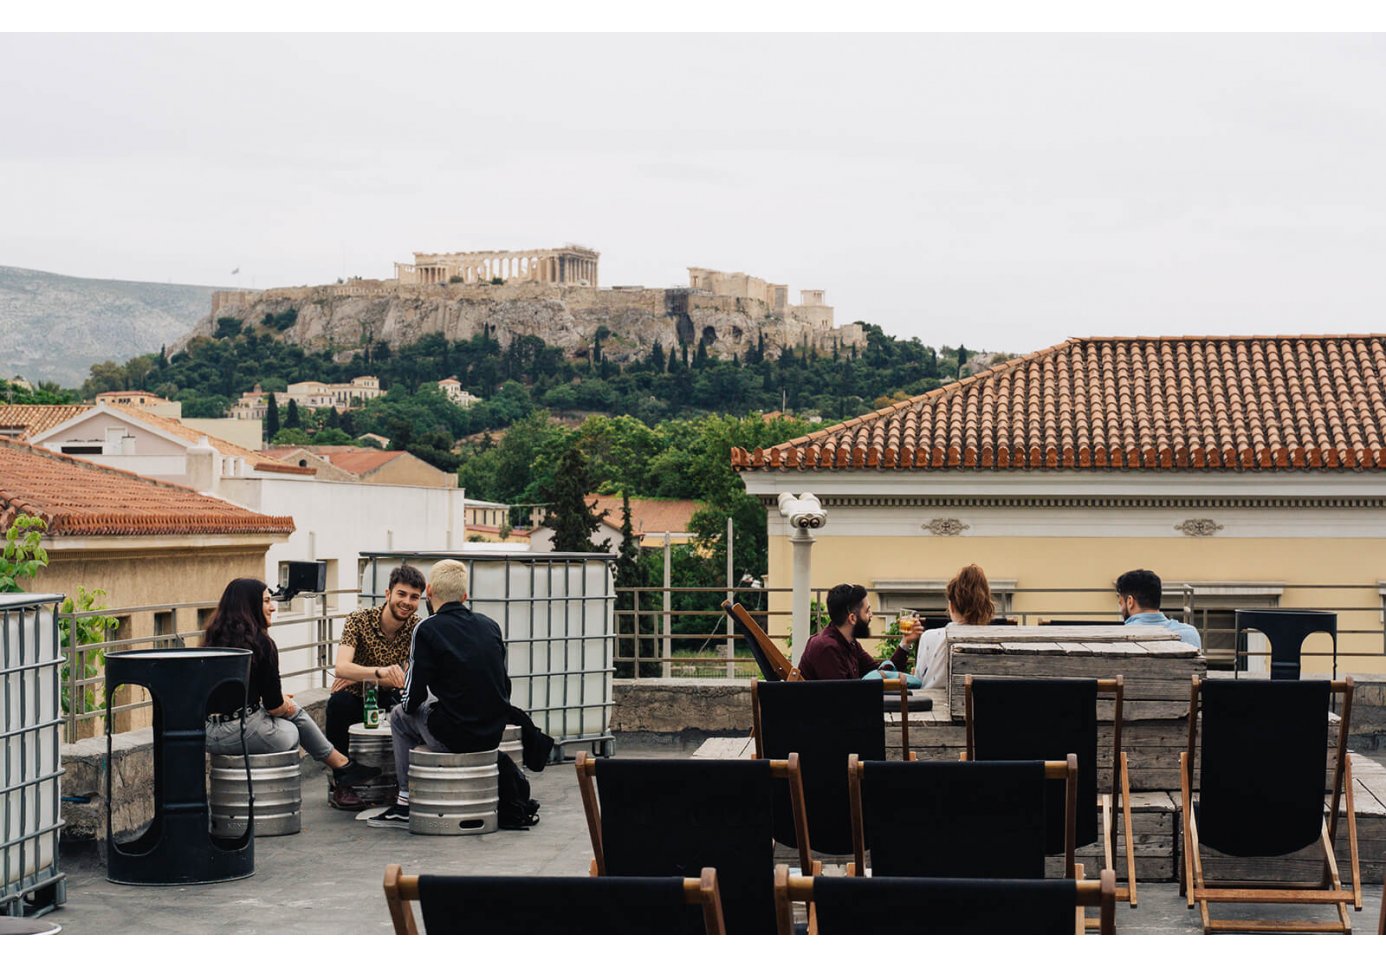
[668,707]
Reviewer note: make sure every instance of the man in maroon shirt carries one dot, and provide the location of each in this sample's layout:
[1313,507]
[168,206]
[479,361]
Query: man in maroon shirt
[834,652]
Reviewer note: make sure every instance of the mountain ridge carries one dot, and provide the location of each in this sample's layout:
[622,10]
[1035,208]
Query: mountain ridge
[55,326]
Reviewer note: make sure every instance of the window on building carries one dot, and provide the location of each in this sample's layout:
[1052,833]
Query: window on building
[1211,607]
[928,597]
[82,449]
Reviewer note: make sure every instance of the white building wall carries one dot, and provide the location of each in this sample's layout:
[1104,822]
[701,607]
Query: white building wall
[334,521]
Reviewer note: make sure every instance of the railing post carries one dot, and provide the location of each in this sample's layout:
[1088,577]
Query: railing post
[70,717]
[731,597]
[668,607]
[635,607]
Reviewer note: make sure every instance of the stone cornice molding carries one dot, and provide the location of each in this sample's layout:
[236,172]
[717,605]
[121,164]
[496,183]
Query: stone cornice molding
[1191,503]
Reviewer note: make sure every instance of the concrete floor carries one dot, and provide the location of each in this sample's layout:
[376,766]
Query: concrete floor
[327,879]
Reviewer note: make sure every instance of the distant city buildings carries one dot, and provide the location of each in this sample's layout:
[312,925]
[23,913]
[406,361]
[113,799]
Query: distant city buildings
[313,394]
[452,389]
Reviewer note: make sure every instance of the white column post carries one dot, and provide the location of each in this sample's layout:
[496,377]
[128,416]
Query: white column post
[731,597]
[802,542]
[668,606]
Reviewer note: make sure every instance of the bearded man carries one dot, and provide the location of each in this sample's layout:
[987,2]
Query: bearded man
[834,653]
[374,649]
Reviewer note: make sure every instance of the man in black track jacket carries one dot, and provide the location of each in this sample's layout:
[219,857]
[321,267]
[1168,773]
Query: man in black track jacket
[457,693]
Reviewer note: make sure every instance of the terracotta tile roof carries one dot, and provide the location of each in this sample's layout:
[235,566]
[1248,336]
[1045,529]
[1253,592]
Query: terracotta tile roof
[36,418]
[648,515]
[356,460]
[181,430]
[1217,403]
[78,497]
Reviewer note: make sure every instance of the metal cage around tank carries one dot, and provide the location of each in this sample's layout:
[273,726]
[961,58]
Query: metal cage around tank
[30,765]
[556,612]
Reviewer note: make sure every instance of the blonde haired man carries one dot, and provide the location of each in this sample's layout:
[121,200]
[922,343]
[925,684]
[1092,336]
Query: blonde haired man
[457,693]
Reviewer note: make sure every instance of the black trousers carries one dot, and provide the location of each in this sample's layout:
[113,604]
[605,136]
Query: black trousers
[345,708]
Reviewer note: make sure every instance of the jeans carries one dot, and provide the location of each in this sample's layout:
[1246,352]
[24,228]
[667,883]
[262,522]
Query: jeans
[408,730]
[269,734]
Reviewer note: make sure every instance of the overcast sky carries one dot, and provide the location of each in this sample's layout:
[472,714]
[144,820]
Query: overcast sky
[1008,191]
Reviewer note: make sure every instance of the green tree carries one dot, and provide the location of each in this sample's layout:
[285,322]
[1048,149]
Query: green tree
[292,420]
[573,520]
[23,553]
[272,426]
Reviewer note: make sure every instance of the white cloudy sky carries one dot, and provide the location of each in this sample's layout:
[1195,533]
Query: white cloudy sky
[1006,190]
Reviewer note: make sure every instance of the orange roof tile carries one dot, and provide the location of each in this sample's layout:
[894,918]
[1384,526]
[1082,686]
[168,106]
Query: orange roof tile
[1249,403]
[38,417]
[355,460]
[78,497]
[648,515]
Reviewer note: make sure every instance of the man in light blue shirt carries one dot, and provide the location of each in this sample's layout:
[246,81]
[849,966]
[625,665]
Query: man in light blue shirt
[1138,594]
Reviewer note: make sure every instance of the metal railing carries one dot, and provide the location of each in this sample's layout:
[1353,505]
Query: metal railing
[656,640]
[84,689]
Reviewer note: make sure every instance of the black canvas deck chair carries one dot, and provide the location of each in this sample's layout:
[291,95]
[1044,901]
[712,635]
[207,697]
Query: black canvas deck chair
[924,905]
[554,905]
[941,819]
[825,722]
[1261,779]
[772,662]
[655,817]
[1046,719]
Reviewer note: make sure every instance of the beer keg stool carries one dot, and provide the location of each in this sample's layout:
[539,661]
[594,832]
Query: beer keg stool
[373,747]
[451,794]
[276,783]
[512,746]
[178,846]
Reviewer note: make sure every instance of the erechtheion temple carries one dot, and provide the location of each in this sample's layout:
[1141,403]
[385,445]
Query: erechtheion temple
[572,265]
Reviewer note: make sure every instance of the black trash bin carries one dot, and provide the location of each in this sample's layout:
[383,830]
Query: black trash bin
[178,847]
[1286,628]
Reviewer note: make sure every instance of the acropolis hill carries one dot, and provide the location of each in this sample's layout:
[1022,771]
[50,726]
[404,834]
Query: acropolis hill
[549,293]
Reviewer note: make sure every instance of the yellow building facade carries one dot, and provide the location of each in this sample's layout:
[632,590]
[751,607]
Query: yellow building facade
[1246,472]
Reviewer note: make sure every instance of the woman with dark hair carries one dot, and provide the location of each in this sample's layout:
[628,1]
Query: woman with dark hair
[274,723]
[969,603]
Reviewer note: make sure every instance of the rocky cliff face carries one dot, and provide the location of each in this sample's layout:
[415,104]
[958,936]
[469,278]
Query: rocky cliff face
[347,317]
[55,327]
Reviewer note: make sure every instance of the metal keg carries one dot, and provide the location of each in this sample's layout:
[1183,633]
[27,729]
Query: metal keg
[374,747]
[278,785]
[453,793]
[512,746]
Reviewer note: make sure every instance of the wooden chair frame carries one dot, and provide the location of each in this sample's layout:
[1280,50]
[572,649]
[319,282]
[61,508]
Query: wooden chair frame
[899,685]
[1118,798]
[402,889]
[787,671]
[1329,890]
[1100,894]
[1066,770]
[787,770]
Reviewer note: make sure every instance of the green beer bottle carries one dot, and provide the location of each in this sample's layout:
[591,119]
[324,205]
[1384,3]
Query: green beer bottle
[371,715]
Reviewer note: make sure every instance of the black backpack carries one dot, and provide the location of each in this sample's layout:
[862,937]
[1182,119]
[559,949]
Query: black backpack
[516,811]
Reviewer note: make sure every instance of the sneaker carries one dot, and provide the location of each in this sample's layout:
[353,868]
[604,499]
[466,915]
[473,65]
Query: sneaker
[394,816]
[354,774]
[344,798]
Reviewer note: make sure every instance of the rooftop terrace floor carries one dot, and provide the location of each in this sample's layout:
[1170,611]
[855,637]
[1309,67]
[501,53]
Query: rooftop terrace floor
[327,879]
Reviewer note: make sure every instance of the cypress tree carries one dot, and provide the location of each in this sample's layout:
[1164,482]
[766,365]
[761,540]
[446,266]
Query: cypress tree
[272,418]
[573,520]
[292,418]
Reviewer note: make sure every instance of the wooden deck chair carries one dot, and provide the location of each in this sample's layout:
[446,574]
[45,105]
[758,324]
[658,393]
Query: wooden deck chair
[655,817]
[1262,762]
[1011,719]
[926,905]
[554,905]
[942,819]
[825,722]
[774,666]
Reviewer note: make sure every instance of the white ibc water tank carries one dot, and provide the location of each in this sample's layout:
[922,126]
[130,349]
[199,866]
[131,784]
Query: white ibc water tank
[30,724]
[556,612]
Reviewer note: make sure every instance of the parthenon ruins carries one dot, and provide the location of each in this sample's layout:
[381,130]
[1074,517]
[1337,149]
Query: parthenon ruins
[572,265]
